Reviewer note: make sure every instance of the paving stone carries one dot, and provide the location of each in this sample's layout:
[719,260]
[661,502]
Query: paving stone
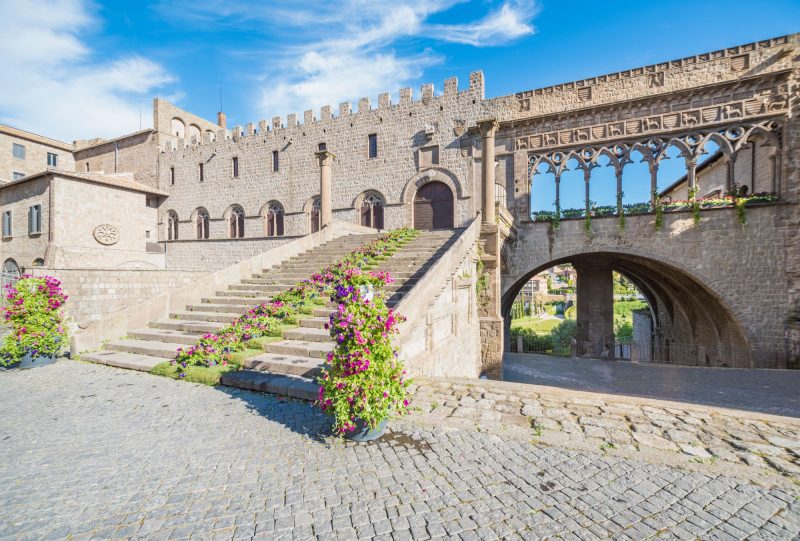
[179,460]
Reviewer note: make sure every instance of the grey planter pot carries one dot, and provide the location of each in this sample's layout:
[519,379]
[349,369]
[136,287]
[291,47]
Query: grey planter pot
[364,433]
[29,361]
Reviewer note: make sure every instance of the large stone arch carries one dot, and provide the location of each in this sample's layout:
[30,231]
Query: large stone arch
[691,312]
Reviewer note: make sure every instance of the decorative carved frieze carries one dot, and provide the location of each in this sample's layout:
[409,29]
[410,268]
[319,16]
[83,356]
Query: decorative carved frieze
[767,102]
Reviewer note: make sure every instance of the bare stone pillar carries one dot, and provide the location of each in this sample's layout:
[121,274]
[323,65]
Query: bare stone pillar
[595,299]
[488,129]
[653,183]
[325,213]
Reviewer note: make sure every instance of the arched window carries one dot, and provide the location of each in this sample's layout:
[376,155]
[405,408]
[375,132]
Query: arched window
[178,128]
[194,131]
[500,194]
[201,223]
[38,262]
[274,219]
[316,207]
[372,211]
[236,223]
[172,225]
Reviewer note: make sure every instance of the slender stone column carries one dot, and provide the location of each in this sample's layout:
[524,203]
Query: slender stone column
[691,177]
[619,190]
[558,196]
[653,182]
[325,187]
[587,175]
[731,172]
[595,299]
[488,129]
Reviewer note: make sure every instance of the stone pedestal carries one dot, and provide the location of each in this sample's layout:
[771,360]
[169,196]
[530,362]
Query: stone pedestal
[595,298]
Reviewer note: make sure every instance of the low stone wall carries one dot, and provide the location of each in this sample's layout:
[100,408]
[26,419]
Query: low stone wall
[94,294]
[441,336]
[212,255]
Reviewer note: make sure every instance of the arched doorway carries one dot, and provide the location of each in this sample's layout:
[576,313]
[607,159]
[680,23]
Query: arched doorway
[433,207]
[10,275]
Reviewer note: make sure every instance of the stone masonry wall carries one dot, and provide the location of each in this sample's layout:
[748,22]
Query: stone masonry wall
[212,255]
[94,294]
[137,153]
[23,247]
[36,150]
[402,130]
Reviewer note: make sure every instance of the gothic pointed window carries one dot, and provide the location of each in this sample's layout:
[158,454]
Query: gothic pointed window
[316,207]
[372,211]
[274,217]
[202,222]
[236,222]
[172,225]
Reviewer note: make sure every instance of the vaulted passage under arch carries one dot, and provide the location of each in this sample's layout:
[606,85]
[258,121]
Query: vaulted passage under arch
[691,327]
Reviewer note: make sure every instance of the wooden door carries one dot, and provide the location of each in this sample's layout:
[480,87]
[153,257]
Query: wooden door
[433,207]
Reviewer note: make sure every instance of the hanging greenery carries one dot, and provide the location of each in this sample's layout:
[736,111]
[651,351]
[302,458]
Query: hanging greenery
[659,210]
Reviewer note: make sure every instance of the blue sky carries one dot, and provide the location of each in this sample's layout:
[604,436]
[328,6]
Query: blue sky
[81,69]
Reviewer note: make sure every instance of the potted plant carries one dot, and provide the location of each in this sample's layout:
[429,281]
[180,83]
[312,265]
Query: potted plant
[363,381]
[34,314]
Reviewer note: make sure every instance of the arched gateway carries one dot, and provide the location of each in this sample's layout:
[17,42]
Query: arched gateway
[433,207]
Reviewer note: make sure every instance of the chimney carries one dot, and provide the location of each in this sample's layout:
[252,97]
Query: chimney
[221,119]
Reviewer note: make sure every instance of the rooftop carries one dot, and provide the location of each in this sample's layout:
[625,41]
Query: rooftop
[118,181]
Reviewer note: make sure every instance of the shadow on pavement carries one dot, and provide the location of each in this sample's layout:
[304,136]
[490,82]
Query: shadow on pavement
[758,390]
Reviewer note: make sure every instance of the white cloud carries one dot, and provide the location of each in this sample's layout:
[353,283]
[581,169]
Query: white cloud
[511,21]
[363,59]
[55,86]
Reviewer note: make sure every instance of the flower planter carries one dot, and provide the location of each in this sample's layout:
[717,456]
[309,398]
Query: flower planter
[364,433]
[29,361]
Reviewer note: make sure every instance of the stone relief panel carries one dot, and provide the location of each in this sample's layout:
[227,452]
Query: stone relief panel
[106,234]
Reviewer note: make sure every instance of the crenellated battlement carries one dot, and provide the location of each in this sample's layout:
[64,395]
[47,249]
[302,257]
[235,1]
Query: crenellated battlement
[277,127]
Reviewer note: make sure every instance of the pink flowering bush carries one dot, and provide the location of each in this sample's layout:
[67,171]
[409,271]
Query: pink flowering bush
[363,379]
[34,312]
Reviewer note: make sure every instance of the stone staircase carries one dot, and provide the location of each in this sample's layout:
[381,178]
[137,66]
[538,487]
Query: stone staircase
[142,349]
[289,366]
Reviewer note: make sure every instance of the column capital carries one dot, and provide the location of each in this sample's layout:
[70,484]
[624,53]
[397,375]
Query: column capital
[488,126]
[325,157]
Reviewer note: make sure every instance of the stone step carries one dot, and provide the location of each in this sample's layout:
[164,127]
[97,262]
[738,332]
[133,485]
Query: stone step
[257,296]
[322,312]
[201,327]
[121,359]
[306,367]
[165,335]
[246,301]
[314,322]
[299,348]
[204,316]
[145,347]
[285,385]
[307,334]
[238,309]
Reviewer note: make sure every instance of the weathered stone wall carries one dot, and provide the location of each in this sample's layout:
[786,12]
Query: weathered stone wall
[22,247]
[642,336]
[94,294]
[402,130]
[743,269]
[36,149]
[81,206]
[135,153]
[211,255]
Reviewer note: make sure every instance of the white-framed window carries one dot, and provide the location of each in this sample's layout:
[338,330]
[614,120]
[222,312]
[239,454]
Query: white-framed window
[172,225]
[35,220]
[202,222]
[236,223]
[52,159]
[18,151]
[274,219]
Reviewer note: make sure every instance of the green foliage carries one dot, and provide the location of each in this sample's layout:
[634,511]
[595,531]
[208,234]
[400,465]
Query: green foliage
[741,212]
[562,336]
[535,324]
[196,374]
[624,333]
[571,312]
[34,314]
[659,210]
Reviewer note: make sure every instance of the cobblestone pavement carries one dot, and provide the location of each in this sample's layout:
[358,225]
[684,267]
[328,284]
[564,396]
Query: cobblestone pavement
[765,391]
[95,452]
[757,445]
